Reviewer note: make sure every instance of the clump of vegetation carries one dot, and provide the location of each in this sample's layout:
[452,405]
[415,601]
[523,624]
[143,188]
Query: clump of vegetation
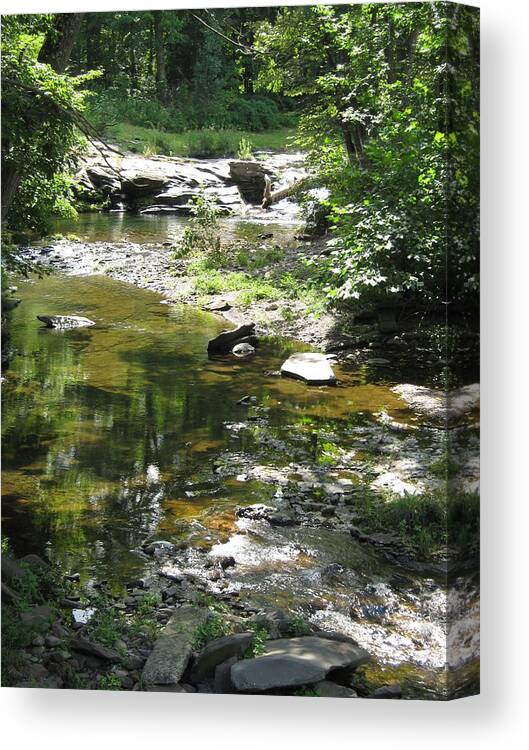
[107,624]
[245,149]
[202,246]
[214,627]
[149,603]
[201,236]
[39,133]
[258,642]
[210,142]
[383,143]
[298,626]
[195,143]
[446,466]
[34,586]
[108,682]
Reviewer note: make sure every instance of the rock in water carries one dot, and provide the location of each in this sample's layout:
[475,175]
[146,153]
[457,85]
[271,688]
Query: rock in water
[249,176]
[295,661]
[223,343]
[243,350]
[65,321]
[311,367]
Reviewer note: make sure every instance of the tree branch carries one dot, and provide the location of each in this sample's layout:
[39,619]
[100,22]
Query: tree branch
[246,49]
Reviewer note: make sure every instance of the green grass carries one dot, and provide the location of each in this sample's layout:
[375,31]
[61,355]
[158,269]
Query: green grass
[196,143]
[215,267]
[428,522]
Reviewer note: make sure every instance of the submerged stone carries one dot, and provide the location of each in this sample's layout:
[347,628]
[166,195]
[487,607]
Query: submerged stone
[65,321]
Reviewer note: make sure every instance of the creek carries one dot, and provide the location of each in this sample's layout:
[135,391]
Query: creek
[127,431]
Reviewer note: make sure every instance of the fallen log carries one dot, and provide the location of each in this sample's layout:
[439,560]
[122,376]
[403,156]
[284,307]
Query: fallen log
[269,198]
[224,341]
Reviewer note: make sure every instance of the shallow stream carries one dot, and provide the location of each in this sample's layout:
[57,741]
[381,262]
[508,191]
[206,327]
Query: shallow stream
[127,430]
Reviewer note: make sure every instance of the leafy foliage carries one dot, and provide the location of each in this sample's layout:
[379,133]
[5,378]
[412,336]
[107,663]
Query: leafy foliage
[390,95]
[39,137]
[214,627]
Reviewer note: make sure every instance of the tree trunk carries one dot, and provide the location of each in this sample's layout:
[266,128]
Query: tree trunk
[93,40]
[159,51]
[349,145]
[133,70]
[60,39]
[10,182]
[56,52]
[269,198]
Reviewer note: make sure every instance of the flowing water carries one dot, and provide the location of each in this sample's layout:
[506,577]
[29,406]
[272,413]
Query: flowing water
[128,430]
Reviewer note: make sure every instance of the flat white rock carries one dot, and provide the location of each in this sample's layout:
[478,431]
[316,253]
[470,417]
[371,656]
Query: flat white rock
[311,367]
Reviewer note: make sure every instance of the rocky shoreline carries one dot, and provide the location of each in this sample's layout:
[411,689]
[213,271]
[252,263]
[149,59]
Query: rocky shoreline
[167,634]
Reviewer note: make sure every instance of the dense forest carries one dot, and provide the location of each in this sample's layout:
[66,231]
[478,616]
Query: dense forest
[384,98]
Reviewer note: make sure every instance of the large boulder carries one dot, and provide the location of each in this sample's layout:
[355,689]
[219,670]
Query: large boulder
[311,367]
[11,569]
[172,651]
[250,178]
[143,180]
[295,661]
[103,179]
[177,195]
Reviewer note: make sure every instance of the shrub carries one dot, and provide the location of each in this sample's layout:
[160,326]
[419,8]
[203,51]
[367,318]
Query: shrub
[201,235]
[245,149]
[257,644]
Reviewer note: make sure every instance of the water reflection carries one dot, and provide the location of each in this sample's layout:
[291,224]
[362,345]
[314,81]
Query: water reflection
[156,228]
[110,432]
